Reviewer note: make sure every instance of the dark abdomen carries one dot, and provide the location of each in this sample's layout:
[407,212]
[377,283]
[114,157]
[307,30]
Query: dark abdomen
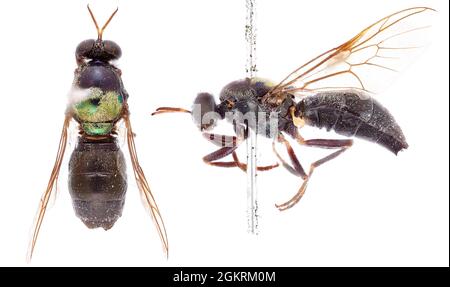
[350,114]
[97,182]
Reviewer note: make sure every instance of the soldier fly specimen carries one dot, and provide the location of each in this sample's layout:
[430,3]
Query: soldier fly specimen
[330,91]
[97,171]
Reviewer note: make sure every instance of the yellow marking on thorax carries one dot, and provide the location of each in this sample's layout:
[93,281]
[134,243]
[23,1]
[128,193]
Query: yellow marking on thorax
[298,121]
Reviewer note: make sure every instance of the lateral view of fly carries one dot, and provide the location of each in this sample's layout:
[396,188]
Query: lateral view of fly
[97,170]
[333,91]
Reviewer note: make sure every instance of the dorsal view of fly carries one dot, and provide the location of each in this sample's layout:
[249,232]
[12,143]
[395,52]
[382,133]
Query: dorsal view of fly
[97,170]
[334,90]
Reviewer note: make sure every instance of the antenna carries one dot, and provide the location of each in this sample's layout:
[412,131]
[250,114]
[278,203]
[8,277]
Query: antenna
[100,31]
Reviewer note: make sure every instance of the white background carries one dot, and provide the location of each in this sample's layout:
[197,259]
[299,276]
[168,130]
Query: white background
[366,208]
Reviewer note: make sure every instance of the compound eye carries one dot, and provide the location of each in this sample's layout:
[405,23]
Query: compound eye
[84,49]
[205,102]
[204,111]
[112,49]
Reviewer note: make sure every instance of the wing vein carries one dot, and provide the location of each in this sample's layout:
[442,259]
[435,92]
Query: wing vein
[50,187]
[144,187]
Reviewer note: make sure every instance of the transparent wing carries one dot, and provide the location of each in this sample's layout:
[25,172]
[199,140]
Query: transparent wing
[144,188]
[369,61]
[73,132]
[50,188]
[121,133]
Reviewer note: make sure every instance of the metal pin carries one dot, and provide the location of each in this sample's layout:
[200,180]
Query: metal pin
[252,202]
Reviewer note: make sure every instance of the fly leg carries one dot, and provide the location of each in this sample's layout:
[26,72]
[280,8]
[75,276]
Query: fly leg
[341,145]
[243,166]
[229,145]
[219,154]
[296,168]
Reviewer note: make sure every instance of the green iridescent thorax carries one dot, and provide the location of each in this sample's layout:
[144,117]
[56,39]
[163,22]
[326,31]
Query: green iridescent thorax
[98,112]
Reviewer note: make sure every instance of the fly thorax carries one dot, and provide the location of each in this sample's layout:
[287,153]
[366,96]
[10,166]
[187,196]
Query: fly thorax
[95,109]
[98,74]
[241,103]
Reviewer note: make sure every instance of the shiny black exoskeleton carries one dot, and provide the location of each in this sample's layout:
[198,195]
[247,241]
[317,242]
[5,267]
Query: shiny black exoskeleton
[98,181]
[347,112]
[241,102]
[97,170]
[94,67]
[350,114]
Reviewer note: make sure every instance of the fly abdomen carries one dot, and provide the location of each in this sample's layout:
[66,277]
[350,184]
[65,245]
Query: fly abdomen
[352,113]
[97,181]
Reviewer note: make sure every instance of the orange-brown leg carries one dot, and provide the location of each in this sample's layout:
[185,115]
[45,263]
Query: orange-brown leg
[219,154]
[296,168]
[243,166]
[342,145]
